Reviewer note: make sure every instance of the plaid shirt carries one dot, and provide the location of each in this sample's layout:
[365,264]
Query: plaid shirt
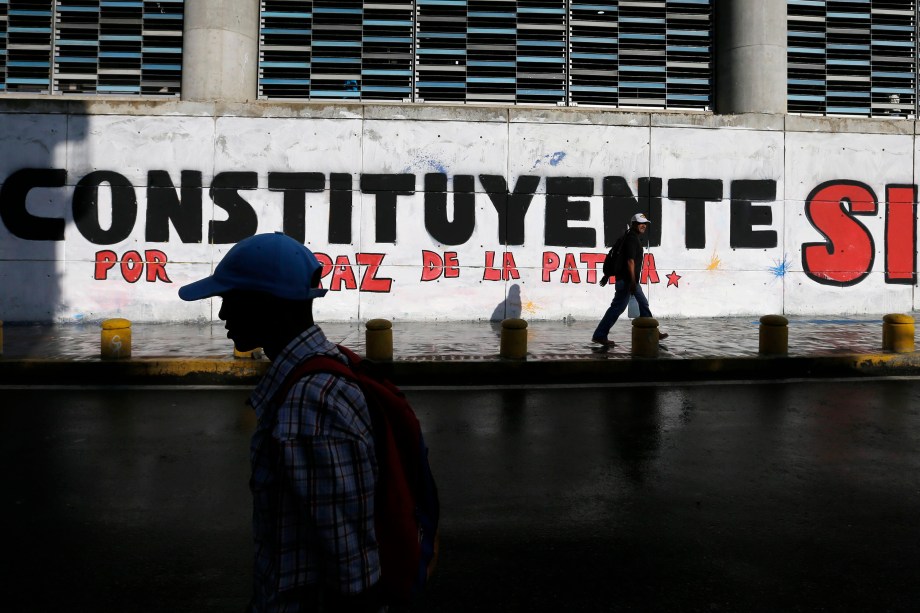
[313,477]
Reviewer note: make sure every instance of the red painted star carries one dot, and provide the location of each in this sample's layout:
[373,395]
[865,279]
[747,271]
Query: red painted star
[673,278]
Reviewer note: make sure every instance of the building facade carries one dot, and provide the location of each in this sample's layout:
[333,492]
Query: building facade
[451,159]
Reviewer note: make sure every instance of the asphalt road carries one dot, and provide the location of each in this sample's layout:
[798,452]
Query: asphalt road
[757,497]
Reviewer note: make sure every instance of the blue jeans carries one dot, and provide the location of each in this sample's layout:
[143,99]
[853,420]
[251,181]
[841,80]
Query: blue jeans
[619,304]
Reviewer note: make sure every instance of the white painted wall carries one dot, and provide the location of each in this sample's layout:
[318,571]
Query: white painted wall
[54,279]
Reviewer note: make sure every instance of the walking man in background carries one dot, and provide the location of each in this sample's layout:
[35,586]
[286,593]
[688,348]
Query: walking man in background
[628,271]
[314,468]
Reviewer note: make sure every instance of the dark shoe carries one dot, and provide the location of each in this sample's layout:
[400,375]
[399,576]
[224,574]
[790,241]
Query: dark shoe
[662,336]
[603,341]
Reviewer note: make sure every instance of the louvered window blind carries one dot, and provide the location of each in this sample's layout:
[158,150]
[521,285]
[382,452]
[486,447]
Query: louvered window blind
[555,52]
[853,57]
[91,46]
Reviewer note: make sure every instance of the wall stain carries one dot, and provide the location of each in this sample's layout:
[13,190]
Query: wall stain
[426,164]
[553,159]
[530,307]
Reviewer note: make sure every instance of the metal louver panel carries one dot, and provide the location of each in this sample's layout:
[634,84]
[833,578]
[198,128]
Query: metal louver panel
[29,26]
[4,31]
[442,63]
[552,52]
[129,47]
[285,48]
[161,49]
[689,54]
[594,54]
[387,54]
[335,49]
[542,70]
[643,65]
[855,57]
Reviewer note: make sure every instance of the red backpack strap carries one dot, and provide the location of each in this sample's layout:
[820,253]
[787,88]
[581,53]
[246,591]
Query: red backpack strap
[353,358]
[312,365]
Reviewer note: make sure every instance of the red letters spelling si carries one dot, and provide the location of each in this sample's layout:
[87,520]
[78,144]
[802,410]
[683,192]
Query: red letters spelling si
[901,234]
[846,257]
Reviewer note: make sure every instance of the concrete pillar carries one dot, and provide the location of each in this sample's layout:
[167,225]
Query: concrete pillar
[220,54]
[750,56]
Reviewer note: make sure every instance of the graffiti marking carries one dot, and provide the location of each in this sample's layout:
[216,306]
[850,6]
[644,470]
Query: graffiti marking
[715,262]
[553,159]
[780,267]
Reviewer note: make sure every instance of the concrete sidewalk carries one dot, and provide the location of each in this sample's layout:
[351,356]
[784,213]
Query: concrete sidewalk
[440,353]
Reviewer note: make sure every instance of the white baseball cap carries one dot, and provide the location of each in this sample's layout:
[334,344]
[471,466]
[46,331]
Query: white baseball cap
[275,264]
[639,218]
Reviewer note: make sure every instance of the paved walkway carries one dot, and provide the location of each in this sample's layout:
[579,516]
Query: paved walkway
[721,337]
[467,353]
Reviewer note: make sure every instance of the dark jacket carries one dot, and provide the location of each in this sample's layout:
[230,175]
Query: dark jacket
[631,249]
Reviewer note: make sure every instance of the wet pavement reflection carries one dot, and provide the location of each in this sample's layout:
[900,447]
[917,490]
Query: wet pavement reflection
[746,497]
[547,340]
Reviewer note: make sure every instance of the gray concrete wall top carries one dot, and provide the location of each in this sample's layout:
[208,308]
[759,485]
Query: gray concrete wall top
[98,105]
[857,125]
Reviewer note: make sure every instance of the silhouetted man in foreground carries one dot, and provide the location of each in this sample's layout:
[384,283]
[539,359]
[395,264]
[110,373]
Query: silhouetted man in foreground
[313,463]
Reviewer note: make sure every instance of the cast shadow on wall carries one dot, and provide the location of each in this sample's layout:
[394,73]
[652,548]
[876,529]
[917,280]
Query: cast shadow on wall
[36,211]
[509,307]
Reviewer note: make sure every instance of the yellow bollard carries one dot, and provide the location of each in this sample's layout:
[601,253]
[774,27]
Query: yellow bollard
[514,339]
[116,339]
[379,340]
[645,337]
[898,333]
[255,354]
[774,335]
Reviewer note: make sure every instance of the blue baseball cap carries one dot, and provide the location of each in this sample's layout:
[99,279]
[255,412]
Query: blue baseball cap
[275,264]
